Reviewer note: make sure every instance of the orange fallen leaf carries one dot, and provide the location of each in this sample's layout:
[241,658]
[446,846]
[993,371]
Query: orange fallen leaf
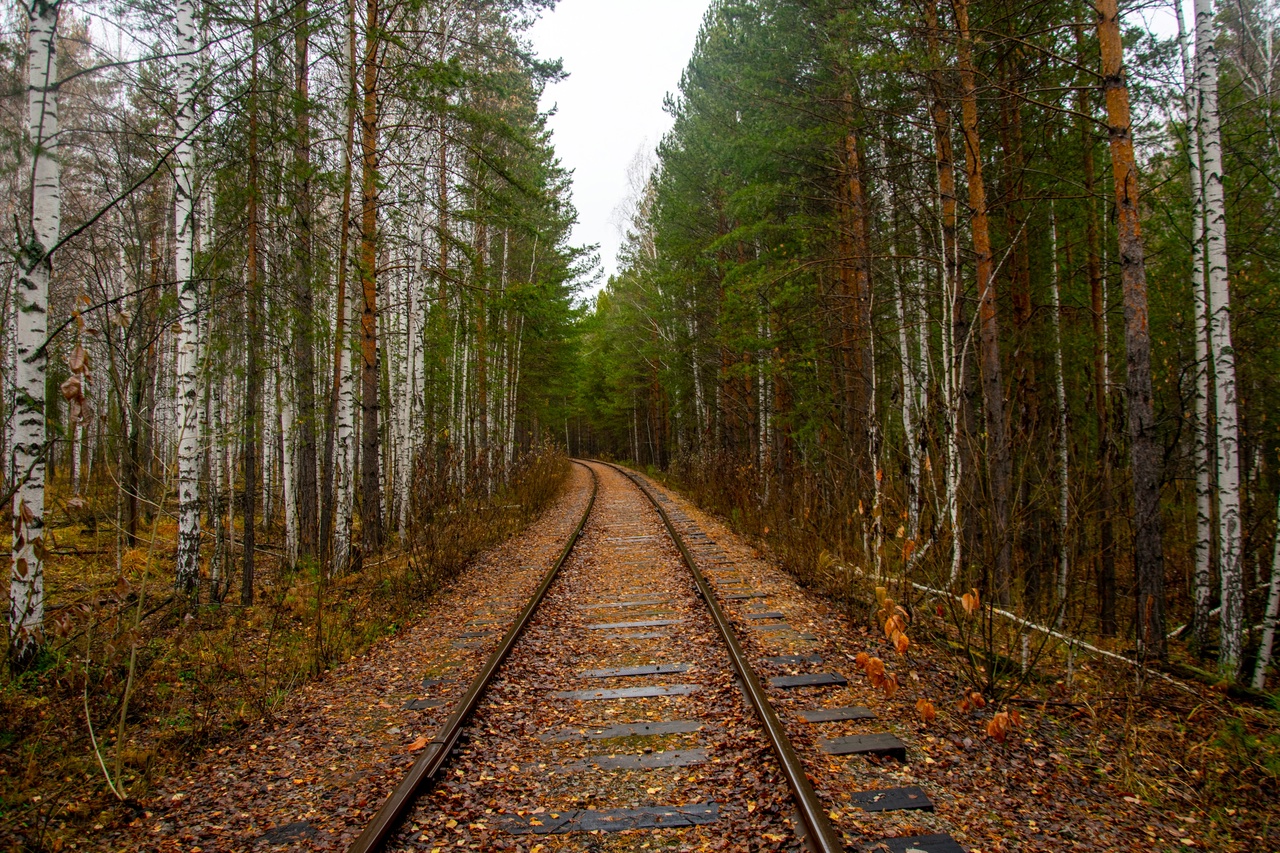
[418,744]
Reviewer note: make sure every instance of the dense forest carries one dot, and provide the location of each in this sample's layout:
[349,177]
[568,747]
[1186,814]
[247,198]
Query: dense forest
[296,263]
[974,295]
[960,306]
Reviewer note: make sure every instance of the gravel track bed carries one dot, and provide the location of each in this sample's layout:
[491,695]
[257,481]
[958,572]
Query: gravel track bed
[537,753]
[816,638]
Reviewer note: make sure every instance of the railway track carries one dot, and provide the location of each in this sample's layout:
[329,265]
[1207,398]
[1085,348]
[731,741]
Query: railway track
[621,711]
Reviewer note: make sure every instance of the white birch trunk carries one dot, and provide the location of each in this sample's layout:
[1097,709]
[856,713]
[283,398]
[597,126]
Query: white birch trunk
[922,343]
[26,578]
[1270,618]
[909,397]
[77,440]
[288,478]
[1064,483]
[877,462]
[343,452]
[402,394]
[699,395]
[515,393]
[215,441]
[1203,441]
[11,372]
[270,446]
[188,568]
[762,395]
[1224,370]
[951,372]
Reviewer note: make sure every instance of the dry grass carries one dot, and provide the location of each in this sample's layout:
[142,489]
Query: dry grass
[189,677]
[1188,747]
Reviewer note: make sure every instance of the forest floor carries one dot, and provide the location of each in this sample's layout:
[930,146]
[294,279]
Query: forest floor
[202,680]
[1101,758]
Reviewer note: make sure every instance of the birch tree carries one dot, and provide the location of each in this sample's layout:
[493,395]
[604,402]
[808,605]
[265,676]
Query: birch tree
[1222,355]
[1203,445]
[1271,616]
[27,439]
[188,324]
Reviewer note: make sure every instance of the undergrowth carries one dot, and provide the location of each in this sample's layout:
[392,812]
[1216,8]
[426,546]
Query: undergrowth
[1187,746]
[127,658]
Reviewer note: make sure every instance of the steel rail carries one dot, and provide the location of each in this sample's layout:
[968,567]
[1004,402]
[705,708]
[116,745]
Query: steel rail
[821,836]
[393,809]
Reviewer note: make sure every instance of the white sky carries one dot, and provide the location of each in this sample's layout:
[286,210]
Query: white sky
[622,57]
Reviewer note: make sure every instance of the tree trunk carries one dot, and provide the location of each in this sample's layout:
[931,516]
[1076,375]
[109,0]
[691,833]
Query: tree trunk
[370,480]
[252,375]
[855,290]
[1271,618]
[344,473]
[1106,563]
[1203,450]
[910,397]
[26,577]
[288,473]
[1144,451]
[1064,439]
[1230,551]
[340,342]
[188,326]
[998,460]
[482,348]
[953,326]
[304,358]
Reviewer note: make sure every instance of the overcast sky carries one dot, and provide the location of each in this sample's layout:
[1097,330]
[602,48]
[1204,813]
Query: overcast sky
[622,57]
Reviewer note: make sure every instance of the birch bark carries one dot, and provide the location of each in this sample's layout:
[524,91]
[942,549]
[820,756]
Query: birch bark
[27,443]
[188,325]
[1064,472]
[1230,554]
[344,469]
[952,332]
[304,358]
[1272,615]
[909,398]
[252,373]
[328,503]
[286,408]
[1203,443]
